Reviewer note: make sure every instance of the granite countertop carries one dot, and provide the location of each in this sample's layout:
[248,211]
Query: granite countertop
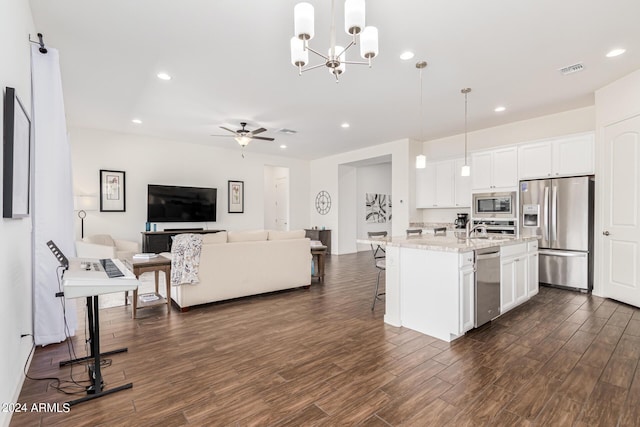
[448,243]
[432,225]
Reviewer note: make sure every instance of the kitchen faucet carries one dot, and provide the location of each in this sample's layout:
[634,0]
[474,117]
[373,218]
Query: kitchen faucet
[470,229]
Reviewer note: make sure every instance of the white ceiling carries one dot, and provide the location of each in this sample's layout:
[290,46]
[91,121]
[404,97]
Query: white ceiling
[229,60]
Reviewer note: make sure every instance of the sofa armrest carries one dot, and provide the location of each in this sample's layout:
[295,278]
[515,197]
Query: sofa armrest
[92,250]
[127,246]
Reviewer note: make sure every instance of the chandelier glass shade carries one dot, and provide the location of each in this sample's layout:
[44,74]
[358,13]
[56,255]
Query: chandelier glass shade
[336,58]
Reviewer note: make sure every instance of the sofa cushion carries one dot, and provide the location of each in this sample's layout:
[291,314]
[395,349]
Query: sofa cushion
[100,239]
[219,237]
[286,235]
[247,236]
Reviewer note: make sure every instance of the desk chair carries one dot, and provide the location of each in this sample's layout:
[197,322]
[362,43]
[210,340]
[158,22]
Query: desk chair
[414,232]
[379,259]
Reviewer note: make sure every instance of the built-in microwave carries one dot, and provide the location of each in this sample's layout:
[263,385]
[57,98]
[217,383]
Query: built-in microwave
[494,205]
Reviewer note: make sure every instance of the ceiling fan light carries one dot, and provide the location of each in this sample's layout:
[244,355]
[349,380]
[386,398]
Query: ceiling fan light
[299,55]
[303,21]
[354,11]
[369,43]
[243,140]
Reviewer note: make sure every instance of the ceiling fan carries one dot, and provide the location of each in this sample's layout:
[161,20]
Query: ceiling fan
[244,135]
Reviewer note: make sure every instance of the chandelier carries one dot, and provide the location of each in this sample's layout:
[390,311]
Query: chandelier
[336,58]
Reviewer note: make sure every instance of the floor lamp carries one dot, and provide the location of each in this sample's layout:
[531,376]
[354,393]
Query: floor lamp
[82,204]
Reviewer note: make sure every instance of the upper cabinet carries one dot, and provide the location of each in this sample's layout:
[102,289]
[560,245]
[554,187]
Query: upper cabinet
[566,156]
[438,185]
[494,170]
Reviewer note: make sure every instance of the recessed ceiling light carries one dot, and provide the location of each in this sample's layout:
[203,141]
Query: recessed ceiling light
[164,76]
[405,56]
[616,52]
[500,109]
[283,146]
[345,125]
[136,121]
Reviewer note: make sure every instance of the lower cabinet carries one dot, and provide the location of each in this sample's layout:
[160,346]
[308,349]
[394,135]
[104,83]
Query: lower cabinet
[467,283]
[513,276]
[532,268]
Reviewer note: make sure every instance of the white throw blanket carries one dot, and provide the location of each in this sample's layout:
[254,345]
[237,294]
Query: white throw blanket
[185,259]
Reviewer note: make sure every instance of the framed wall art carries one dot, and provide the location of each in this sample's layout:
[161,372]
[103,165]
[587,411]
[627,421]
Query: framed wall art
[236,196]
[17,157]
[112,191]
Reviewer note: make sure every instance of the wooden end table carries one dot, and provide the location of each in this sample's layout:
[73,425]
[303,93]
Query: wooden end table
[139,266]
[318,253]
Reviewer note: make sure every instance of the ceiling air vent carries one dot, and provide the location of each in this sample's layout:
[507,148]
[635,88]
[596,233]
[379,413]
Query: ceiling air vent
[571,69]
[286,131]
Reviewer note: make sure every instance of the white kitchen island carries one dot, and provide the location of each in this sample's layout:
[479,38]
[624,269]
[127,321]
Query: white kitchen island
[430,281]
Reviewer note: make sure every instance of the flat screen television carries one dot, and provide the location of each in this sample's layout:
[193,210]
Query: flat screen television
[168,203]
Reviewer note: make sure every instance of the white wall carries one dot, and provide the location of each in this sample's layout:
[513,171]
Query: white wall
[325,176]
[16,311]
[565,123]
[347,206]
[156,161]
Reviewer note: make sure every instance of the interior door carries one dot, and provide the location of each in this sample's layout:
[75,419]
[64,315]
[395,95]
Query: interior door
[282,203]
[621,216]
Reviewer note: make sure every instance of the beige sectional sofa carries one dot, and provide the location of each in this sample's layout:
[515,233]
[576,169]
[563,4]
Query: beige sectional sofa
[238,264]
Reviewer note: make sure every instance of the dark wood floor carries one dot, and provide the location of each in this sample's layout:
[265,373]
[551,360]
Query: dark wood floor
[321,357]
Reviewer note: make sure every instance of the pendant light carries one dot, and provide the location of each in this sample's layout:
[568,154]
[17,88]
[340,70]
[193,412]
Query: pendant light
[421,159]
[466,169]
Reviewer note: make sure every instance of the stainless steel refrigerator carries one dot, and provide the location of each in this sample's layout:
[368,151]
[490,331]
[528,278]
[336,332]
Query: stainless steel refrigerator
[560,212]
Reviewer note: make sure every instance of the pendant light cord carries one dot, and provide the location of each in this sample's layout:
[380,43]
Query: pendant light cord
[465,128]
[466,92]
[421,112]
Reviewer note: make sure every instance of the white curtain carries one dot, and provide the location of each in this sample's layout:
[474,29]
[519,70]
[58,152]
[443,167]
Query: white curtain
[52,199]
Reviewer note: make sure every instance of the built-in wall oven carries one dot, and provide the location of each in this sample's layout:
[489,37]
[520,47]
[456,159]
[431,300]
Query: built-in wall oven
[494,205]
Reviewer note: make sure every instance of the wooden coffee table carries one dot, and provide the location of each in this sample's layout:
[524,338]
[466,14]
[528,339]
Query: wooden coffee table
[139,266]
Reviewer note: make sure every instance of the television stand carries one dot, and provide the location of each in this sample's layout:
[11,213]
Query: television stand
[160,241]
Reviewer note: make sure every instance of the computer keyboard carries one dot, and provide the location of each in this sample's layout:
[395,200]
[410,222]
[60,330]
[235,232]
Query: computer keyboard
[110,268]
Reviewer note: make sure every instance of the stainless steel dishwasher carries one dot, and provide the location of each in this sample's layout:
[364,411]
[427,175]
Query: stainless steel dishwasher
[487,290]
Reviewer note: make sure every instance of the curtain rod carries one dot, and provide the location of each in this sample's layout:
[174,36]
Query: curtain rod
[40,42]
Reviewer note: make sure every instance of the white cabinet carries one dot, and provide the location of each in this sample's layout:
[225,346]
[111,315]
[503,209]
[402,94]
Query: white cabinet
[467,280]
[566,156]
[434,290]
[438,186]
[513,276]
[532,268]
[494,170]
[534,160]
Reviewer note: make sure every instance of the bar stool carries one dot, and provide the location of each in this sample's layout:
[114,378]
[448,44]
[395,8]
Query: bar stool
[379,259]
[414,232]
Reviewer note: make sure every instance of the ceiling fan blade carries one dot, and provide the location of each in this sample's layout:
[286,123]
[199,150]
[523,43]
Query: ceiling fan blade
[225,136]
[257,131]
[263,138]
[227,129]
